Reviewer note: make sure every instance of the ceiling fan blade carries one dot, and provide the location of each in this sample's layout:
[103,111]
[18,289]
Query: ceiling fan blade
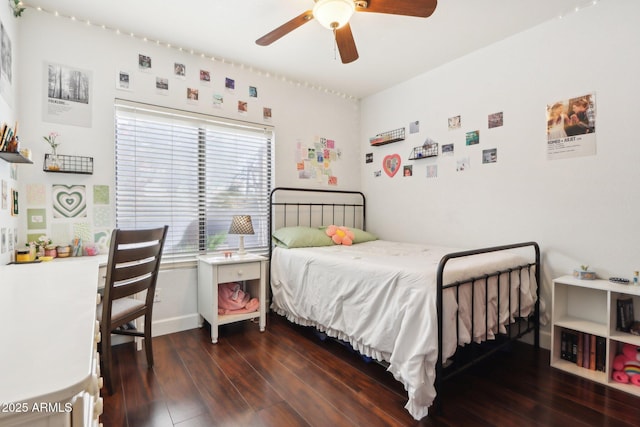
[419,8]
[346,44]
[285,28]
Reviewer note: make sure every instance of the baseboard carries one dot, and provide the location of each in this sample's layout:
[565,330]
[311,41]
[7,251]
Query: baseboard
[176,324]
[545,339]
[164,327]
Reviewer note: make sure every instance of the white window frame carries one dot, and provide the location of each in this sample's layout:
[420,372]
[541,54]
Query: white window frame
[193,172]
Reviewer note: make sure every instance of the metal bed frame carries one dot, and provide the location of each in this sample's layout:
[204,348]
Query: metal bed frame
[351,212]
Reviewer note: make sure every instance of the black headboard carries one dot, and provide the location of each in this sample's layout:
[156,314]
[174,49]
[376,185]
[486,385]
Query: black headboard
[289,207]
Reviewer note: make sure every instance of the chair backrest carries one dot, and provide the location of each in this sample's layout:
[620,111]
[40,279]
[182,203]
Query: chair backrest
[134,261]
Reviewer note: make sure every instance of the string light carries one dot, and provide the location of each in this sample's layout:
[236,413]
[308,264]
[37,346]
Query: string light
[213,58]
[577,9]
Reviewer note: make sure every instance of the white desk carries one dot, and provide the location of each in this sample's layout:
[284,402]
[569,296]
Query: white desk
[48,343]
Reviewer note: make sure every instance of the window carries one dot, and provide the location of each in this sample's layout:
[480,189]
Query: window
[192,172]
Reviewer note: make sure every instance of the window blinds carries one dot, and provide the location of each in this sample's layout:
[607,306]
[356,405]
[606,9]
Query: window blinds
[192,172]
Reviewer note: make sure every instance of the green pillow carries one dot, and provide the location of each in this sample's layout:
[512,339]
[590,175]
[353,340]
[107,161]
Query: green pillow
[300,237]
[359,236]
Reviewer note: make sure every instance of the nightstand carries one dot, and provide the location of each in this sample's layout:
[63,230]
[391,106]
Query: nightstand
[249,269]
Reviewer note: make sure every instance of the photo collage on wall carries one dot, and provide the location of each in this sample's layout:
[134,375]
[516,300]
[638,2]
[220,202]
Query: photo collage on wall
[315,161]
[203,87]
[430,151]
[71,215]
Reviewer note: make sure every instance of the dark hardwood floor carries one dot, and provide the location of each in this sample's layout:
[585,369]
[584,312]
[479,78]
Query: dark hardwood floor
[287,377]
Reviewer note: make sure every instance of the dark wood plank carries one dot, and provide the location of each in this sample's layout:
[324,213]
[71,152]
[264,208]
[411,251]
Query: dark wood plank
[224,402]
[304,398]
[281,414]
[286,376]
[363,398]
[252,386]
[180,392]
[115,412]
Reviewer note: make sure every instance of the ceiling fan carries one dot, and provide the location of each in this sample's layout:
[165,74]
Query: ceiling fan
[335,15]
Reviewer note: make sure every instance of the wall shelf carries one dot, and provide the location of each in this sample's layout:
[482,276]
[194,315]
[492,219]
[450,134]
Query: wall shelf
[69,164]
[424,151]
[13,157]
[387,137]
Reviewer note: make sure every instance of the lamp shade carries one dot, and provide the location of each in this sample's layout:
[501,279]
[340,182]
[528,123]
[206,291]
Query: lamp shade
[333,14]
[241,224]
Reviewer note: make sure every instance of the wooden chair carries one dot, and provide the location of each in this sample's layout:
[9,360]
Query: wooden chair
[134,261]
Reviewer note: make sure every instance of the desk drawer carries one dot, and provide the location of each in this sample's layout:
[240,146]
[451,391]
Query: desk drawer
[235,272]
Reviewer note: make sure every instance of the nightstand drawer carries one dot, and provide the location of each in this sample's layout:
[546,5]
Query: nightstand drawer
[234,272]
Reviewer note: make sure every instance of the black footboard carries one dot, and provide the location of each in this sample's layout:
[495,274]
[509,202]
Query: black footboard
[523,324]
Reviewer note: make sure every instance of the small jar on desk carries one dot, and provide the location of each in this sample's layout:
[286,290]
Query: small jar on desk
[50,251]
[63,251]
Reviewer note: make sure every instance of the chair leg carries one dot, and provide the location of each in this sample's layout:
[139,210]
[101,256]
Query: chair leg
[148,346]
[107,362]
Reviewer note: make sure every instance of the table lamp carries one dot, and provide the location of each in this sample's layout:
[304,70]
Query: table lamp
[241,225]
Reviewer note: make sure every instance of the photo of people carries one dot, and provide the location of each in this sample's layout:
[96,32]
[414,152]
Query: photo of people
[495,120]
[192,94]
[144,62]
[575,116]
[454,122]
[571,127]
[180,70]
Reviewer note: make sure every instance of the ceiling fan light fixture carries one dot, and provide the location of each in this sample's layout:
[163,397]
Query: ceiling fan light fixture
[333,14]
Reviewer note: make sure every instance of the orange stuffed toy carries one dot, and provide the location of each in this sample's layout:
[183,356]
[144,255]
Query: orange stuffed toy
[340,235]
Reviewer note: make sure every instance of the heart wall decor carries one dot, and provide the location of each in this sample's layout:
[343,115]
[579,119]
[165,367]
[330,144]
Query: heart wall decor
[69,201]
[391,164]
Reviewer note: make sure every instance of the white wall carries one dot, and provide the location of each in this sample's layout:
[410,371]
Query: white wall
[583,210]
[580,210]
[7,115]
[300,114]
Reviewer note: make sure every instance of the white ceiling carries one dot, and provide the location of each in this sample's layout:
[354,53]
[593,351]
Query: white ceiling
[391,48]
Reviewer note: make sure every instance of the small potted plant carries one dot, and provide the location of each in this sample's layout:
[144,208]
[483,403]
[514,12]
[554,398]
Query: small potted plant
[584,273]
[54,161]
[38,246]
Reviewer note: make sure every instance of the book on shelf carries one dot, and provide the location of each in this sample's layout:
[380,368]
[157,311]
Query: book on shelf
[569,345]
[592,352]
[580,355]
[624,314]
[601,353]
[586,341]
[585,350]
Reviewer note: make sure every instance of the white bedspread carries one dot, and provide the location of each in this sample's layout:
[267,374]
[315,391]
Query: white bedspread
[380,296]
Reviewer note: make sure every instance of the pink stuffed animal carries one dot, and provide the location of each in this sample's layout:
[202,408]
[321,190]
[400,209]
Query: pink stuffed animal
[626,366]
[233,300]
[340,235]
